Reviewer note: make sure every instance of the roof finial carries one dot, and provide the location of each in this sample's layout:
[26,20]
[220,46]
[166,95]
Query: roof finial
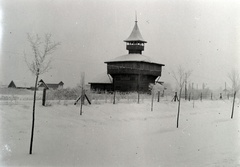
[135,16]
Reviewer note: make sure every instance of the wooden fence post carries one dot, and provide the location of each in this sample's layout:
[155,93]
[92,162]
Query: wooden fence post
[114,96]
[138,97]
[220,95]
[138,86]
[44,97]
[158,96]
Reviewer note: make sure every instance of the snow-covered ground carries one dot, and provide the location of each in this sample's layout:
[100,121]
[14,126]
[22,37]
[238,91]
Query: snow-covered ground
[124,134]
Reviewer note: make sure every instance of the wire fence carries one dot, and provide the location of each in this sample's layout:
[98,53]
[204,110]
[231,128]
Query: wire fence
[69,95]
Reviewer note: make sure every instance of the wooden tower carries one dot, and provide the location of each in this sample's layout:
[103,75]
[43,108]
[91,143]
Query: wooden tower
[134,71]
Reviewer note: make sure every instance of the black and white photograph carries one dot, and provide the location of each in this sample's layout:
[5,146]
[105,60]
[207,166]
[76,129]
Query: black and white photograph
[120,83]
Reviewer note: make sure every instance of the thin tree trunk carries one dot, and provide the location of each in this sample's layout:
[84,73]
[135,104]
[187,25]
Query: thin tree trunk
[33,115]
[185,90]
[82,101]
[179,103]
[152,100]
[233,104]
[81,105]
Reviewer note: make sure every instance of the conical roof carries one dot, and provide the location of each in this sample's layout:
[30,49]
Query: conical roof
[135,36]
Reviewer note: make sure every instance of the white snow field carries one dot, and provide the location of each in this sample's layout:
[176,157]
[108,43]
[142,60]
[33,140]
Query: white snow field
[121,135]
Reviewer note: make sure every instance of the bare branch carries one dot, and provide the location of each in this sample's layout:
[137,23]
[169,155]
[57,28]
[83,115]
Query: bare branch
[41,52]
[235,79]
[181,77]
[49,46]
[46,67]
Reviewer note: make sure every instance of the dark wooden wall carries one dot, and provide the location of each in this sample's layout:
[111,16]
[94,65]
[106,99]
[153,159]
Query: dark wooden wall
[101,87]
[133,82]
[134,68]
[133,76]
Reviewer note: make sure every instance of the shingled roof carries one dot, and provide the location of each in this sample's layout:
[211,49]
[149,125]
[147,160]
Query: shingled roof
[135,36]
[50,85]
[18,84]
[133,57]
[103,78]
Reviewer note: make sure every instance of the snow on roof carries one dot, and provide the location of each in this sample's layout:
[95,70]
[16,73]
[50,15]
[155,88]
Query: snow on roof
[133,57]
[51,81]
[50,85]
[135,35]
[21,84]
[102,78]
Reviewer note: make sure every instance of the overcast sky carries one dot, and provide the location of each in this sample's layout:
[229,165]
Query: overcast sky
[200,35]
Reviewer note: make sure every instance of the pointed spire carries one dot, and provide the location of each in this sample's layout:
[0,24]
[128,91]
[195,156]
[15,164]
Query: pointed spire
[135,16]
[135,36]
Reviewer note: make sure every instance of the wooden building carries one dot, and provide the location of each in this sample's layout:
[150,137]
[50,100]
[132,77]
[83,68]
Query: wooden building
[53,86]
[133,71]
[101,83]
[19,85]
[12,85]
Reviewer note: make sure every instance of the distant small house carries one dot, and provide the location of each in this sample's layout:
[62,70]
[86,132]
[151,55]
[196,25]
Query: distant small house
[18,85]
[53,86]
[102,82]
[12,85]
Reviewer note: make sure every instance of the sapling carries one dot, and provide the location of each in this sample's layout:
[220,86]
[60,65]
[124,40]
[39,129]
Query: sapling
[40,64]
[180,78]
[235,79]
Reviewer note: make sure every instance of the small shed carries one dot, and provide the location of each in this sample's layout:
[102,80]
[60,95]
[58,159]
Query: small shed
[53,86]
[19,85]
[102,82]
[12,85]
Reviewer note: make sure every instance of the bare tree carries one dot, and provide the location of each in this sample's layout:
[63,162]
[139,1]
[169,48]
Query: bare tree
[181,77]
[82,91]
[154,89]
[39,64]
[235,79]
